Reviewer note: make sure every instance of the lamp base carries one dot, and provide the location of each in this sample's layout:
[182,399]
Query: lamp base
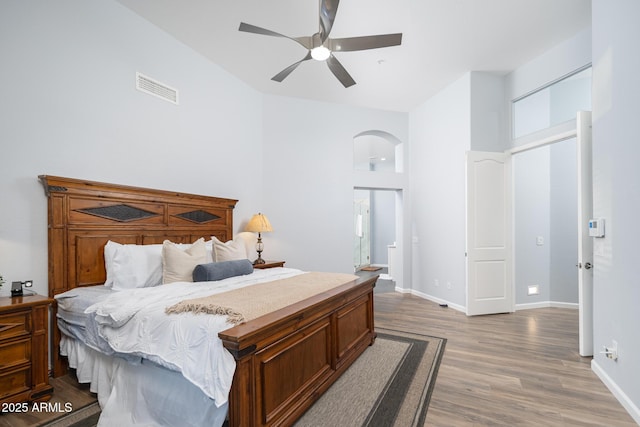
[259,260]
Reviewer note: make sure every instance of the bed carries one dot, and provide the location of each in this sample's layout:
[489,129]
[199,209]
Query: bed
[284,360]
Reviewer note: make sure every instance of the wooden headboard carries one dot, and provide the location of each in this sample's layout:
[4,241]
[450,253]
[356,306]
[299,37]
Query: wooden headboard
[84,215]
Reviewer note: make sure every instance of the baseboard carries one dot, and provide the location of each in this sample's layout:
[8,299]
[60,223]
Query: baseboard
[463,309]
[617,392]
[432,298]
[547,304]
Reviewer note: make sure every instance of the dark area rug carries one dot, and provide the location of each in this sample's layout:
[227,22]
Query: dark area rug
[389,385]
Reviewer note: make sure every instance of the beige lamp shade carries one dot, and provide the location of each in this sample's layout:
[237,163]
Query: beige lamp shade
[258,224]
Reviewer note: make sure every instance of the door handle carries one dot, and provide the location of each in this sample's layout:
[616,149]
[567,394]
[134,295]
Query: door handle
[587,265]
[579,265]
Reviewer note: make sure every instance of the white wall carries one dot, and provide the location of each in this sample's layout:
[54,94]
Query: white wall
[616,151]
[440,134]
[563,222]
[308,178]
[383,221]
[489,127]
[531,172]
[70,108]
[545,203]
[467,115]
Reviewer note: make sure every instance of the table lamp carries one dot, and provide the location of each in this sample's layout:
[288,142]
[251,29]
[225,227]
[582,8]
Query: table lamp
[259,224]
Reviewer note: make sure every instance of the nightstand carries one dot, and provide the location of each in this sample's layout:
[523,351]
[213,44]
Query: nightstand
[24,349]
[269,264]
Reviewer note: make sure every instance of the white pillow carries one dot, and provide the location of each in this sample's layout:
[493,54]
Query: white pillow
[209,245]
[178,263]
[109,254]
[132,266]
[230,251]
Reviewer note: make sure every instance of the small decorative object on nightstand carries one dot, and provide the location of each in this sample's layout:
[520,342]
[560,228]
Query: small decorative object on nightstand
[259,224]
[16,288]
[24,349]
[269,264]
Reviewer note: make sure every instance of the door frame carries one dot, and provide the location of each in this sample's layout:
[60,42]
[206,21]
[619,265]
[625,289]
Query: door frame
[581,131]
[399,229]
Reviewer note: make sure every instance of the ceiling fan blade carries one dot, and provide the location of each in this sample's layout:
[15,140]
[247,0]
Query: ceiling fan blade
[284,73]
[248,28]
[338,70]
[351,44]
[328,10]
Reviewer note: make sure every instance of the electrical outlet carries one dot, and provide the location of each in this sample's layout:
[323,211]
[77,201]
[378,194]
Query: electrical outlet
[436,282]
[533,290]
[449,286]
[614,350]
[611,351]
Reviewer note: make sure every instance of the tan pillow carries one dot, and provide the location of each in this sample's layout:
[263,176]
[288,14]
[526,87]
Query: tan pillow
[232,250]
[178,263]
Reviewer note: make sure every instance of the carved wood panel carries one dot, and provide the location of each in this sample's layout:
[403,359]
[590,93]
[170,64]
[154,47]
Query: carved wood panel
[84,215]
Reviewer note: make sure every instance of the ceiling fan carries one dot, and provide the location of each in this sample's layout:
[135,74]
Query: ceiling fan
[321,47]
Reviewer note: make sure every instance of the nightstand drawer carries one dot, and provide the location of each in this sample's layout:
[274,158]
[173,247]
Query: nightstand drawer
[15,324]
[15,353]
[14,382]
[24,345]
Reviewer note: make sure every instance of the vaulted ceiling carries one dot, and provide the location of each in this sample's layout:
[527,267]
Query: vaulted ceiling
[442,39]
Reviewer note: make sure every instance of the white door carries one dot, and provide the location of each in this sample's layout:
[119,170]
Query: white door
[489,233]
[585,243]
[362,232]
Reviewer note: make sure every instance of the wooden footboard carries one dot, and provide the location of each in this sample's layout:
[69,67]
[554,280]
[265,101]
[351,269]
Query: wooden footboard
[287,359]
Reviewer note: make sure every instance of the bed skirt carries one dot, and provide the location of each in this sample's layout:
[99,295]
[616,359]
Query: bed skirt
[141,394]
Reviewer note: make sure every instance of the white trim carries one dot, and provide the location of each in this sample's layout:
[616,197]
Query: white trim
[432,299]
[542,142]
[617,392]
[547,304]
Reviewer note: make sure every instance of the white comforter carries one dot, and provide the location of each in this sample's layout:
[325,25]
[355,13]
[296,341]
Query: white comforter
[134,322]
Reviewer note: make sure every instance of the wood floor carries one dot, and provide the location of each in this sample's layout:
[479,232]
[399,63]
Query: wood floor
[66,390]
[519,369]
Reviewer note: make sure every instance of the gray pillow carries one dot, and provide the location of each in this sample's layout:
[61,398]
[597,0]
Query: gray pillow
[221,270]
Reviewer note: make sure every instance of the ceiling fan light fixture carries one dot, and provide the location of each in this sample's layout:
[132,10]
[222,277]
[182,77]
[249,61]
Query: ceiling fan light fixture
[320,53]
[320,46]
